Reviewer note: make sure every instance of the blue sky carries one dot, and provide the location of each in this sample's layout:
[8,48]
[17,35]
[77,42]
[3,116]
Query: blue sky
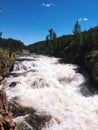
[30,20]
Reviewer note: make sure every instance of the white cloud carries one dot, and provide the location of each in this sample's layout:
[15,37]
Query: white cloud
[48,4]
[82,19]
[85,19]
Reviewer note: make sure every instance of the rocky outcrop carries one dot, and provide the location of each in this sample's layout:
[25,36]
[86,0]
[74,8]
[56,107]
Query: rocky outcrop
[6,122]
[6,62]
[25,52]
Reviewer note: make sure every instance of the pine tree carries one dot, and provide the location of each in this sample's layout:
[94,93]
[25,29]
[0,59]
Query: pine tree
[54,36]
[0,34]
[77,28]
[77,33]
[51,33]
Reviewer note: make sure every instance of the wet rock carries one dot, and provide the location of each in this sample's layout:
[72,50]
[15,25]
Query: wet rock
[47,117]
[13,84]
[22,126]
[37,122]
[30,119]
[19,110]
[6,122]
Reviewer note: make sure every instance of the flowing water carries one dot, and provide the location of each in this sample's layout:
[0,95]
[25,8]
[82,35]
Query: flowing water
[46,95]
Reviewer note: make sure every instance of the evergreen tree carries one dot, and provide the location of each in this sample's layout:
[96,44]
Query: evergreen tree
[0,34]
[47,37]
[51,33]
[54,36]
[77,33]
[77,28]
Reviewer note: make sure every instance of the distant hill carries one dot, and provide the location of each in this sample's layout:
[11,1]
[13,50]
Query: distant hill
[11,44]
[50,47]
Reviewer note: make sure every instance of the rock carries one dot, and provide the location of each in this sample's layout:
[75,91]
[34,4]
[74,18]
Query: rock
[22,126]
[6,64]
[1,78]
[13,84]
[30,119]
[19,110]
[47,117]
[3,102]
[25,52]
[6,122]
[37,122]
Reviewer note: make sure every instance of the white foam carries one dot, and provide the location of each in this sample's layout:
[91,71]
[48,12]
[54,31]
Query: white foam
[53,89]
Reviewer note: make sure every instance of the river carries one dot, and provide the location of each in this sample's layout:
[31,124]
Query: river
[44,94]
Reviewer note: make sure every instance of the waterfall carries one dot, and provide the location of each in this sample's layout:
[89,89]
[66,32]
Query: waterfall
[44,94]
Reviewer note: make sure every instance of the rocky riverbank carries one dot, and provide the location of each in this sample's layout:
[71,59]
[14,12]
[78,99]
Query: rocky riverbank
[77,54]
[6,117]
[6,63]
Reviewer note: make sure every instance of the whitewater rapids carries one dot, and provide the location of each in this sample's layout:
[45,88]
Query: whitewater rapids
[50,88]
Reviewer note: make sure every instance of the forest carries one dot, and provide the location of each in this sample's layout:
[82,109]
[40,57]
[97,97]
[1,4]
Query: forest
[54,45]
